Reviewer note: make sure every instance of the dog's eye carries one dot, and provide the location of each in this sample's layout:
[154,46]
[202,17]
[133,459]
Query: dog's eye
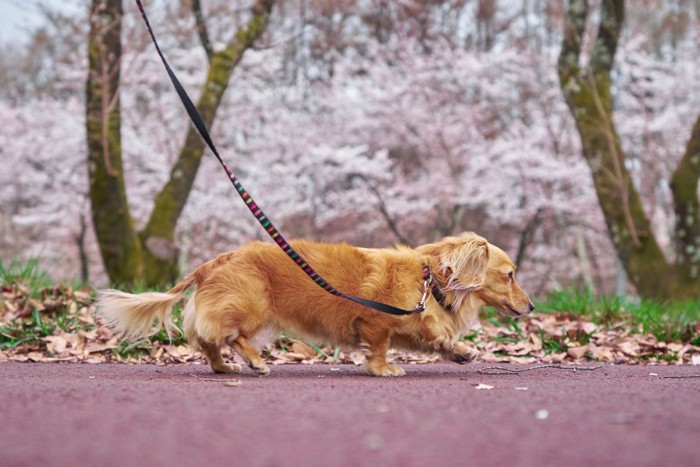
[511,274]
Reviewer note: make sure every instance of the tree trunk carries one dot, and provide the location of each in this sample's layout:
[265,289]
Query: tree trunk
[684,186]
[587,93]
[114,227]
[151,255]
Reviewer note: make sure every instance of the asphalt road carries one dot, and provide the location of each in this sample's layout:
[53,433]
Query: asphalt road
[321,415]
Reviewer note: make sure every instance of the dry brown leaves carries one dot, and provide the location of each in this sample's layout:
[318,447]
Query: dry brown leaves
[559,337]
[69,332]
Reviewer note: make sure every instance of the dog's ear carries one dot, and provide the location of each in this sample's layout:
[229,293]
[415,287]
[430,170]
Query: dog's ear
[464,263]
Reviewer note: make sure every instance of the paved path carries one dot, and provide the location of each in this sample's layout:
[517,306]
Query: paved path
[320,415]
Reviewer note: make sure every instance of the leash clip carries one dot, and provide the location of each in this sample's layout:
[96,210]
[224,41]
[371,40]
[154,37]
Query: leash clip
[426,288]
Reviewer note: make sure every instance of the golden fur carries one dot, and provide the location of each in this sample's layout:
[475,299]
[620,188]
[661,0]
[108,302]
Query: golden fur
[241,294]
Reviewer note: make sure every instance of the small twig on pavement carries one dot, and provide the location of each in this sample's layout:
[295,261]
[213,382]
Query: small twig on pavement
[217,380]
[499,370]
[680,377]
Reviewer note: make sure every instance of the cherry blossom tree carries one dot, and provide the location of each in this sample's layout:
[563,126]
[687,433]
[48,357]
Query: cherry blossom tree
[366,122]
[587,88]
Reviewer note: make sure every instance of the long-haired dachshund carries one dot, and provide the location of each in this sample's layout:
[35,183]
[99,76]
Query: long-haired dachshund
[256,291]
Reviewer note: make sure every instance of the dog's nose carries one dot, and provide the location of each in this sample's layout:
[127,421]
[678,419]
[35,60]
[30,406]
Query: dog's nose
[531,306]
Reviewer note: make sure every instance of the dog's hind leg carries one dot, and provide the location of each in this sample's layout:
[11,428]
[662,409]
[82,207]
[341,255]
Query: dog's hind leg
[250,355]
[216,361]
[211,351]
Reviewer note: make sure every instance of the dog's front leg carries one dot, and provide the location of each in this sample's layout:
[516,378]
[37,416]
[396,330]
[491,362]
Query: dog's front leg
[435,335]
[443,343]
[461,353]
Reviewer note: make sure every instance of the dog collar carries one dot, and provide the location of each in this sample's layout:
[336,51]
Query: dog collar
[430,284]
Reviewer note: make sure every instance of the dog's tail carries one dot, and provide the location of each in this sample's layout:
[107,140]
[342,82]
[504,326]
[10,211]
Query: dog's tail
[133,315]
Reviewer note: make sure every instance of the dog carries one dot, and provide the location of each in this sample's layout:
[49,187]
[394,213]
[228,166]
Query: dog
[256,291]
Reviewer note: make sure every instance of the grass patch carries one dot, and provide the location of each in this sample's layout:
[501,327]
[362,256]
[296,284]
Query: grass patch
[667,321]
[33,307]
[26,274]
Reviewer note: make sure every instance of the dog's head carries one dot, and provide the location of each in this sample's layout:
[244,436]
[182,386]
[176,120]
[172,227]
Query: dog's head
[468,264]
[501,290]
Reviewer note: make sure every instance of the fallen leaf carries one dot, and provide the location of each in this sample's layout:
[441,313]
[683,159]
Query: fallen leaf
[357,358]
[587,327]
[96,347]
[104,333]
[629,348]
[73,340]
[35,356]
[577,352]
[554,357]
[601,353]
[295,356]
[56,344]
[303,349]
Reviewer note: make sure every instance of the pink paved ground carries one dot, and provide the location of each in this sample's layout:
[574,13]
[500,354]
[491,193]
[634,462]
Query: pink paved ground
[319,415]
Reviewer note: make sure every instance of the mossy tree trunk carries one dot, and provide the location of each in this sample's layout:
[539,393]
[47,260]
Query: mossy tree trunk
[587,93]
[119,245]
[684,186]
[149,256]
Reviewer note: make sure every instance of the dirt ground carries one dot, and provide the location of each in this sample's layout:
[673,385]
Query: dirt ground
[325,415]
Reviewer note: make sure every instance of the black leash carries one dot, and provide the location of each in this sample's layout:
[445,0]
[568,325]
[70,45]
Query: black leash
[428,283]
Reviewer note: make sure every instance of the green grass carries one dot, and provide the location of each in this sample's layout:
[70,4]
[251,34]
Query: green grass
[24,273]
[669,321]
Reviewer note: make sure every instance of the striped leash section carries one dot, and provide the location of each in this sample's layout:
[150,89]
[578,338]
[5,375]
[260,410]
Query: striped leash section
[260,215]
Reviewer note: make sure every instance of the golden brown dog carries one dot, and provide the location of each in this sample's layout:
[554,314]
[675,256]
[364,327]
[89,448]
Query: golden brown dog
[256,291]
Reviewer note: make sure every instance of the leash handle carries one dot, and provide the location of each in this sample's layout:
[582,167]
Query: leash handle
[253,206]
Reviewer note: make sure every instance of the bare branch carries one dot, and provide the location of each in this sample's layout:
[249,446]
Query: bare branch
[574,25]
[202,29]
[390,221]
[611,18]
[501,370]
[527,235]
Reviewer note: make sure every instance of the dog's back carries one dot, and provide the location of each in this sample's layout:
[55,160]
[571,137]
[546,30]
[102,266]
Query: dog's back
[262,288]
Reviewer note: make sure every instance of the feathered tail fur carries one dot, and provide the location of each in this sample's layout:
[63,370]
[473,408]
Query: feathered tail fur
[133,315]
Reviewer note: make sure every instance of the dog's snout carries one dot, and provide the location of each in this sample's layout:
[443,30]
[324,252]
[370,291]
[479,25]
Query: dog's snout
[531,307]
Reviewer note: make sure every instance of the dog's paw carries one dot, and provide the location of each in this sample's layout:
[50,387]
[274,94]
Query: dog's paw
[462,353]
[227,368]
[387,371]
[262,370]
